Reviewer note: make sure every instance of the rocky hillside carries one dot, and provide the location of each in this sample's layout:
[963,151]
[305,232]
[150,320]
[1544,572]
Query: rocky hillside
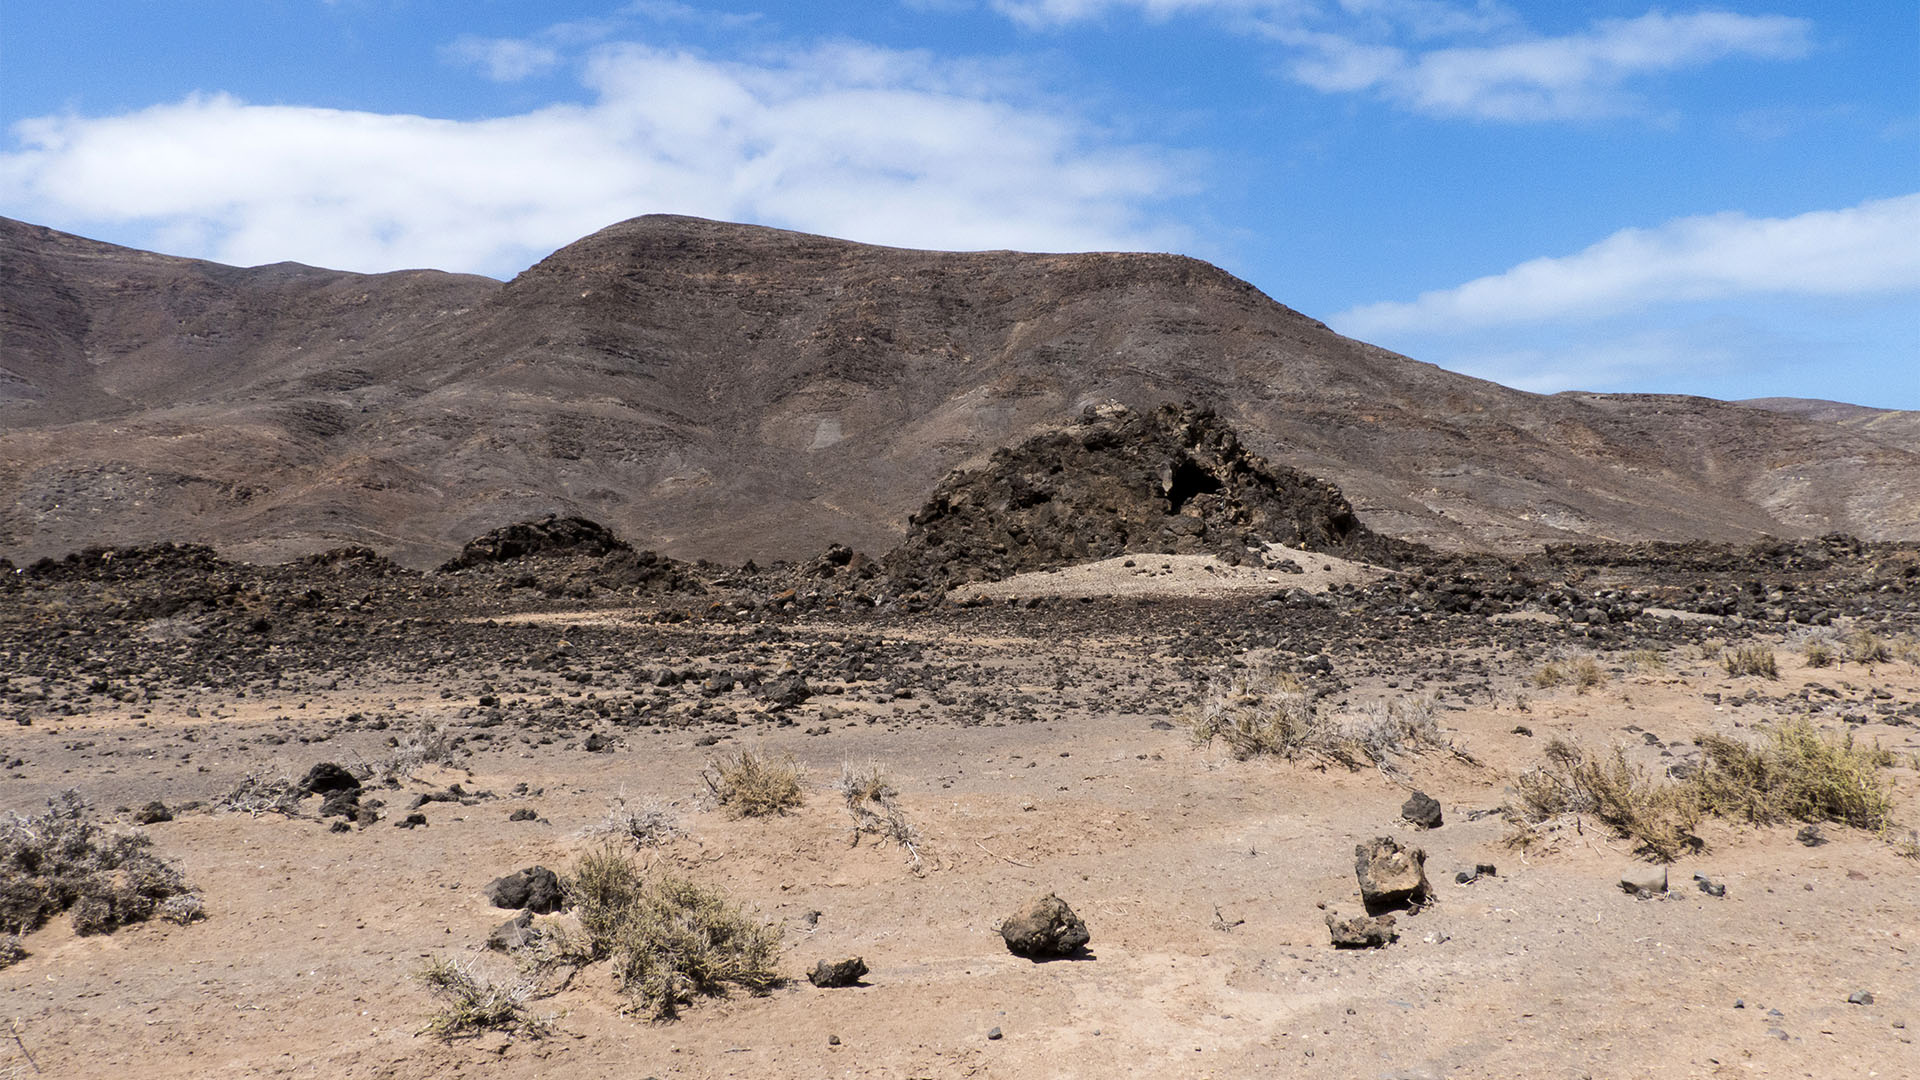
[730,391]
[1899,428]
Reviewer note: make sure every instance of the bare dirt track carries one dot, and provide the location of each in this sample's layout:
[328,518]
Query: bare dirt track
[1037,748]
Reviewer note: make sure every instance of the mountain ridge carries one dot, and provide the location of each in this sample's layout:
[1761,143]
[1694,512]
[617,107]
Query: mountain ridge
[731,391]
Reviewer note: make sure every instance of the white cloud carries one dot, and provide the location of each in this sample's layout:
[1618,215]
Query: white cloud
[1864,250]
[672,11]
[1619,359]
[851,141]
[1048,13]
[1422,18]
[1545,78]
[502,59]
[1496,72]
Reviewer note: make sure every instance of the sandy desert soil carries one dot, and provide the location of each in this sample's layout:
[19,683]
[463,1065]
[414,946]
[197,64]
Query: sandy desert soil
[1179,576]
[1036,749]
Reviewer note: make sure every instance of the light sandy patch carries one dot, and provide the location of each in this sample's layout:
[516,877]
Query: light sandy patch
[1178,575]
[1682,616]
[1523,616]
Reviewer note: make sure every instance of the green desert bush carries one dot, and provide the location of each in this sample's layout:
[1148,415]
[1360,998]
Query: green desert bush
[754,785]
[1795,774]
[669,939]
[1753,659]
[471,1004]
[61,861]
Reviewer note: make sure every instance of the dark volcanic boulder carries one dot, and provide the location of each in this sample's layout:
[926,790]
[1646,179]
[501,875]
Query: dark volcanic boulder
[785,693]
[830,974]
[1361,931]
[1045,927]
[647,570]
[1423,810]
[1176,480]
[534,889]
[550,535]
[327,778]
[516,933]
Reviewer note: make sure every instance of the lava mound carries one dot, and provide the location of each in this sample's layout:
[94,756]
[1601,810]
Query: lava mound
[1175,481]
[575,557]
[550,535]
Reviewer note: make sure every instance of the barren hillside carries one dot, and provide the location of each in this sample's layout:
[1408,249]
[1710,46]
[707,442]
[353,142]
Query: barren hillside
[731,391]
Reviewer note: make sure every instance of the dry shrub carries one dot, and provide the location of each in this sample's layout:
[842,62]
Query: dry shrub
[1658,818]
[669,939]
[754,785]
[873,803]
[1649,660]
[1797,775]
[61,861]
[1819,654]
[421,744]
[1583,673]
[1260,713]
[1383,728]
[1755,659]
[650,823]
[1907,647]
[262,793]
[1867,648]
[471,1004]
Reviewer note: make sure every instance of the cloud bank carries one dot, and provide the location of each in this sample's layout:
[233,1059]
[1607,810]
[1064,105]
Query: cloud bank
[1495,71]
[850,140]
[1865,250]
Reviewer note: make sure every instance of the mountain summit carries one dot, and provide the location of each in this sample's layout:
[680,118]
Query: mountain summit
[731,391]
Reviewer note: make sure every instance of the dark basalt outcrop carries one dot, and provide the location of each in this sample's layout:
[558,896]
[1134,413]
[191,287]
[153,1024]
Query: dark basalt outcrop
[575,556]
[1176,480]
[550,535]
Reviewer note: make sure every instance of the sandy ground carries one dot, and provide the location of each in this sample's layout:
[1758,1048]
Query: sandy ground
[1180,575]
[1199,877]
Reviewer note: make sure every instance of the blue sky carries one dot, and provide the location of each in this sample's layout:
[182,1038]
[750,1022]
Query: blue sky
[1722,200]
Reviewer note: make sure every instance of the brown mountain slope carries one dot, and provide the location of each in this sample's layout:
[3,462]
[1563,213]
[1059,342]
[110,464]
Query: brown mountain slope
[1899,428]
[732,391]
